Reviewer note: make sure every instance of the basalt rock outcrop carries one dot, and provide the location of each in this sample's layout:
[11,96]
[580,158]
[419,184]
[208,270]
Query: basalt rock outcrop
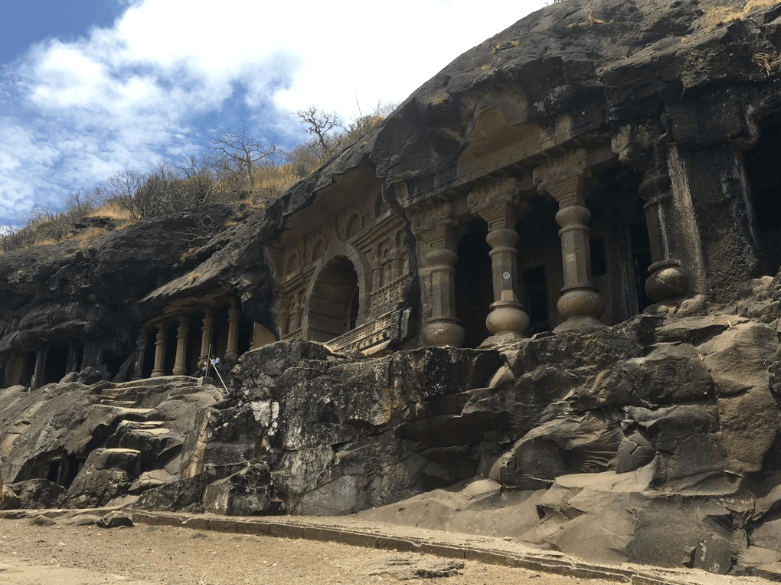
[540,300]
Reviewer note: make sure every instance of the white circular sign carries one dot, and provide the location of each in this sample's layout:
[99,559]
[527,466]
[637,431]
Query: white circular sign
[506,275]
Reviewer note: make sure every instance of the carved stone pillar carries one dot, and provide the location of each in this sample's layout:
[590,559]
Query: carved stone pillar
[644,150]
[232,349]
[667,279]
[442,327]
[141,344]
[507,318]
[207,333]
[182,333]
[565,179]
[160,342]
[39,373]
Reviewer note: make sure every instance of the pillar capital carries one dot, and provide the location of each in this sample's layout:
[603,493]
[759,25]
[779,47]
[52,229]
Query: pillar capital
[493,194]
[643,148]
[565,178]
[428,217]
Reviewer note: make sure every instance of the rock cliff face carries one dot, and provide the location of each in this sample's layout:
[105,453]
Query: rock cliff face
[651,436]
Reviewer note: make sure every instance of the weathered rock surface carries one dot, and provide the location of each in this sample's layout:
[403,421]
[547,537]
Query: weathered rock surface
[656,440]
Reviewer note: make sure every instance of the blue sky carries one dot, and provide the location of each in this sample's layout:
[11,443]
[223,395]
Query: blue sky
[93,87]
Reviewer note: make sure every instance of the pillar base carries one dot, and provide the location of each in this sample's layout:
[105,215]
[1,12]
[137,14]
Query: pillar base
[502,339]
[157,374]
[507,317]
[667,281]
[443,332]
[580,325]
[581,308]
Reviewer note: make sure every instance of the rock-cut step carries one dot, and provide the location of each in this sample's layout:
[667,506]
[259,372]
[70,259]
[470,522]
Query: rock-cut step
[147,392]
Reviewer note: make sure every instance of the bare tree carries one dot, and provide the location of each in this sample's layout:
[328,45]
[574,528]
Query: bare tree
[239,152]
[323,126]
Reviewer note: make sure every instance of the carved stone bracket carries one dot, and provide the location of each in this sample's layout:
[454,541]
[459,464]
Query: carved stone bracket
[427,218]
[493,194]
[564,178]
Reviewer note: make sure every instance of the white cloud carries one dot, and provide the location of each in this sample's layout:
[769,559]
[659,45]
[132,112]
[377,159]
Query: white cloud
[126,96]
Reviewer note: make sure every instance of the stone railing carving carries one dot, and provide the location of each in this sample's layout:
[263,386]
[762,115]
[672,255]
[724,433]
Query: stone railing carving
[370,337]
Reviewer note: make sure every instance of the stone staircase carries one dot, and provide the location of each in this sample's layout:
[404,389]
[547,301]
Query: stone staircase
[144,394]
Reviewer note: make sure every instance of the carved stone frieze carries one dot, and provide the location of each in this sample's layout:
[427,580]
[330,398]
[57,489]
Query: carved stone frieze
[564,177]
[427,217]
[493,194]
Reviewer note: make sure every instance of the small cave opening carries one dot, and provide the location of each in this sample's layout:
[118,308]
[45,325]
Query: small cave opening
[535,285]
[114,360]
[246,328]
[64,471]
[170,349]
[149,354]
[474,287]
[764,176]
[56,365]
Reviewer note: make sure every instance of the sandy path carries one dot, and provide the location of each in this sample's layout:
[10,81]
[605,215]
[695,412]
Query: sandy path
[88,555]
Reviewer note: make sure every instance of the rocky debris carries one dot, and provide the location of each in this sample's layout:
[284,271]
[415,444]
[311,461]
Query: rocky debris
[115,520]
[655,440]
[407,568]
[101,443]
[596,445]
[42,520]
[38,493]
[9,500]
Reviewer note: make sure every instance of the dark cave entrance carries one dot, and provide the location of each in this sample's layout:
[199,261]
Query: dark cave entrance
[170,350]
[149,355]
[334,304]
[56,365]
[64,471]
[535,286]
[474,287]
[246,328]
[764,175]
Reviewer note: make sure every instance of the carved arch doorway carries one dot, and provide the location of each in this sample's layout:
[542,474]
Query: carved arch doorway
[333,305]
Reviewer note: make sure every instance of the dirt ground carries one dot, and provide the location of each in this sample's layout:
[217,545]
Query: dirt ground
[87,555]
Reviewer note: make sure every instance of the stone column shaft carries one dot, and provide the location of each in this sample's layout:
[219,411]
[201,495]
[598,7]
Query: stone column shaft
[160,341]
[580,305]
[442,328]
[207,333]
[232,349]
[182,333]
[141,344]
[39,373]
[507,317]
[666,278]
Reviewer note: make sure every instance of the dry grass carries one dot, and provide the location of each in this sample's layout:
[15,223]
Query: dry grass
[722,15]
[112,210]
[590,20]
